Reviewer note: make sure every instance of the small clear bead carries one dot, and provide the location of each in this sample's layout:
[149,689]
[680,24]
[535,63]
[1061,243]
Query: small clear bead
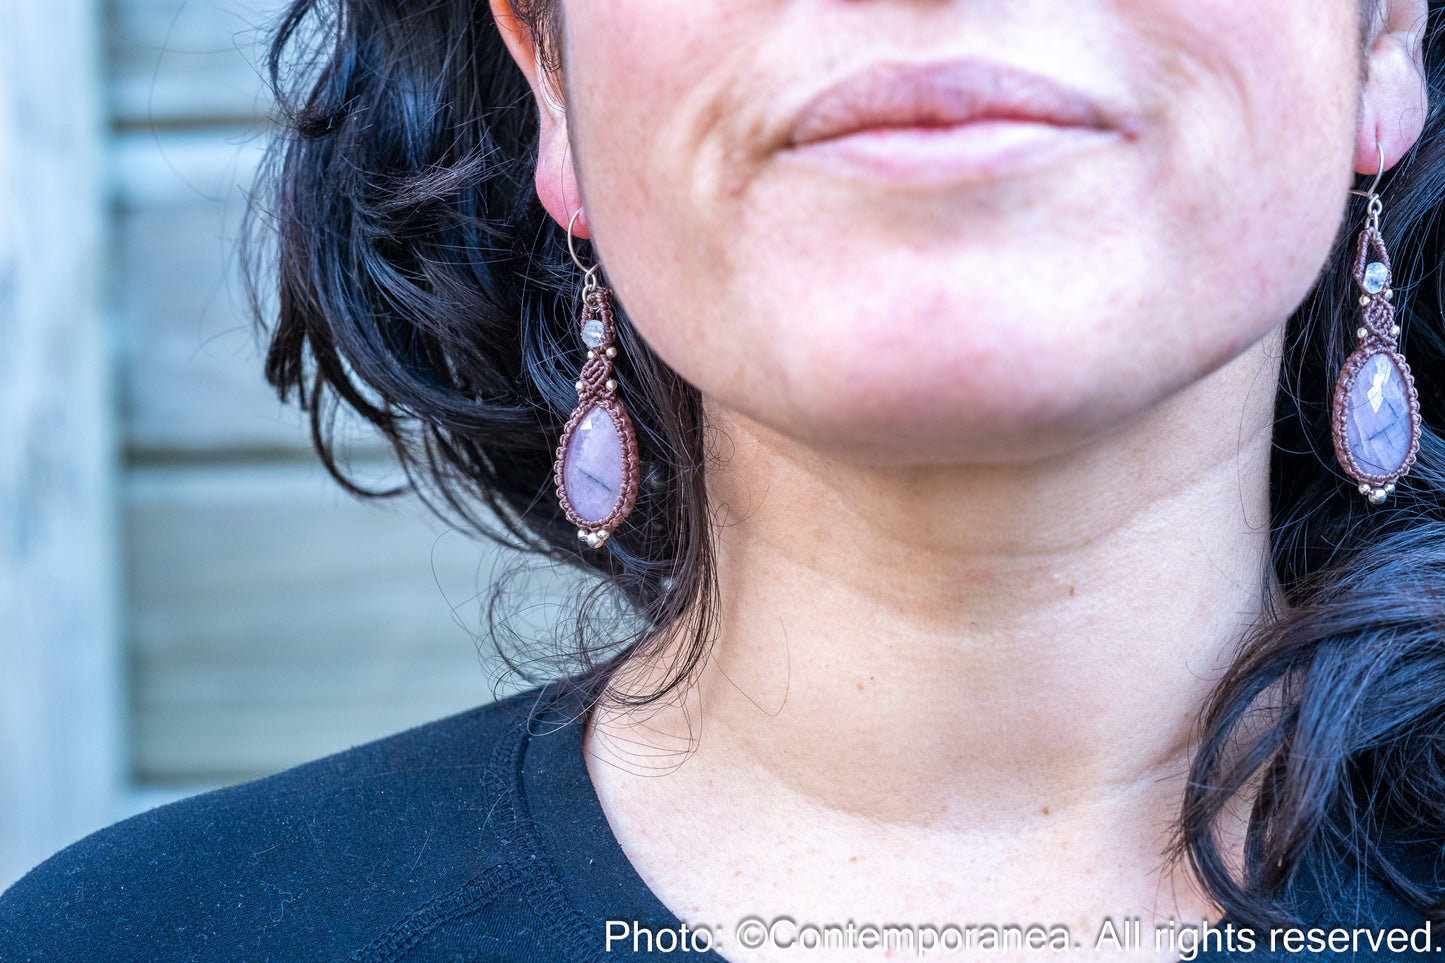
[1377,276]
[593,333]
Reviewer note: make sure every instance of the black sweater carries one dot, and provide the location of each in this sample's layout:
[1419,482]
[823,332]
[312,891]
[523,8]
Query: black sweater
[475,838]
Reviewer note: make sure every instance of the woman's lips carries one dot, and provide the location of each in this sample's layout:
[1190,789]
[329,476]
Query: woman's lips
[958,120]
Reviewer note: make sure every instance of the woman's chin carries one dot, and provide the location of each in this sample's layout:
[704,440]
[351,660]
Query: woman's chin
[910,429]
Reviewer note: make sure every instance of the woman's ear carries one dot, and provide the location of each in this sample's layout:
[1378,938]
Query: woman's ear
[1393,101]
[556,175]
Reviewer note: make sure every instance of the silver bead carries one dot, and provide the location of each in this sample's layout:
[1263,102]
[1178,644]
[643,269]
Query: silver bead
[580,387]
[1364,489]
[1390,489]
[591,355]
[1395,331]
[611,352]
[1389,295]
[1364,300]
[611,385]
[581,535]
[1360,333]
[1378,496]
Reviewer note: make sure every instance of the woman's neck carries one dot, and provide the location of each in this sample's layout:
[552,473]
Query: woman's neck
[937,693]
[1029,634]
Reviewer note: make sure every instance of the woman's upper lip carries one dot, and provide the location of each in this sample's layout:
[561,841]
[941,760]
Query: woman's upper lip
[943,94]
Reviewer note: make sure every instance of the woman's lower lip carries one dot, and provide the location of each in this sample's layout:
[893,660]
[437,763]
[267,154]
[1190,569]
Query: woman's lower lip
[976,151]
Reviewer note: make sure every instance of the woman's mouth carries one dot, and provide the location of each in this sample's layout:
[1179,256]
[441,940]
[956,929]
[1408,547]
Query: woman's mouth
[962,120]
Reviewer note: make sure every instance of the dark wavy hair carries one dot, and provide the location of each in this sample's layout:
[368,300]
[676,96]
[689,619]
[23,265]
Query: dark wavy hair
[420,284]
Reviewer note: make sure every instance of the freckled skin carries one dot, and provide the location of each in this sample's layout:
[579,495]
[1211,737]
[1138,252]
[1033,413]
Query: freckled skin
[980,321]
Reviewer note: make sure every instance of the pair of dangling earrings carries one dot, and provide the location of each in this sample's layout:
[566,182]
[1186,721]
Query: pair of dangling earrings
[1375,416]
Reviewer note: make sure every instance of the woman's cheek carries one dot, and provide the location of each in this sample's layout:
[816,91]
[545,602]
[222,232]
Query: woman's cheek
[1089,291]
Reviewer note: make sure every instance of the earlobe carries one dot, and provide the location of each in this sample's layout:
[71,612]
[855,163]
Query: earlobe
[1394,100]
[556,176]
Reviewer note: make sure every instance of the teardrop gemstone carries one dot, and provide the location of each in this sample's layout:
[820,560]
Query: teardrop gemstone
[592,470]
[1379,426]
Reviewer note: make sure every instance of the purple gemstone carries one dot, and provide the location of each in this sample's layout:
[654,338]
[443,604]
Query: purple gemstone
[592,471]
[1378,425]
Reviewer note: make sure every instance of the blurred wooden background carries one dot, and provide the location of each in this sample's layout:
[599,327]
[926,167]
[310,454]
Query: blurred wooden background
[248,615]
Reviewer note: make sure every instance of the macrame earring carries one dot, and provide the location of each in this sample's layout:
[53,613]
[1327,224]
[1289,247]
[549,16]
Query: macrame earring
[596,468]
[1376,416]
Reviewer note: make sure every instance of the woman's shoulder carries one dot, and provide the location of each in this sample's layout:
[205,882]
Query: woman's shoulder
[327,860]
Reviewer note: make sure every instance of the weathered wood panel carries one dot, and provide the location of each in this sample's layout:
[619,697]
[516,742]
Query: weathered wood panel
[192,379]
[176,62]
[275,619]
[59,705]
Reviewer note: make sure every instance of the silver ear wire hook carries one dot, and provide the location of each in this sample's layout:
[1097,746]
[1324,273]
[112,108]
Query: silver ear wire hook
[1376,206]
[1373,186]
[590,281]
